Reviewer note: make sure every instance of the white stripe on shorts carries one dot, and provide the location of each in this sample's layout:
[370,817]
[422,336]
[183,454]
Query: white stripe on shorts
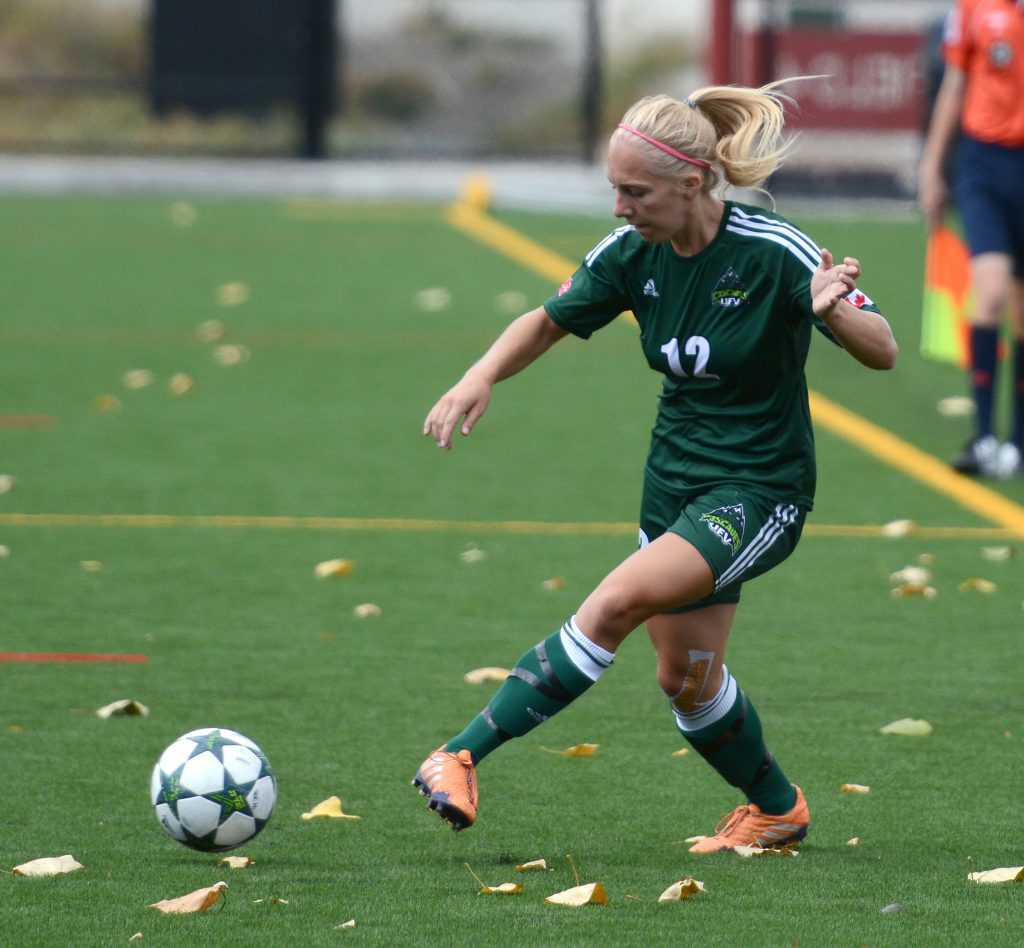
[783,516]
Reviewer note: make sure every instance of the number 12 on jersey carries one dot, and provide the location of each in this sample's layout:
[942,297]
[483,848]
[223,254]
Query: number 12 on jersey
[696,346]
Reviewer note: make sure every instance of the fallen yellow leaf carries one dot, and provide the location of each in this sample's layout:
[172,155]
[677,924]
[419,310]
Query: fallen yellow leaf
[182,214]
[910,727]
[505,888]
[213,330]
[91,566]
[681,890]
[351,923]
[913,589]
[911,576]
[853,841]
[331,809]
[230,353]
[180,384]
[236,862]
[137,378]
[136,937]
[590,894]
[198,901]
[107,402]
[682,752]
[747,852]
[534,865]
[329,568]
[956,406]
[7,483]
[556,582]
[126,706]
[854,788]
[1016,874]
[577,750]
[998,554]
[694,839]
[273,900]
[366,610]
[433,299]
[977,584]
[479,676]
[472,555]
[48,866]
[232,294]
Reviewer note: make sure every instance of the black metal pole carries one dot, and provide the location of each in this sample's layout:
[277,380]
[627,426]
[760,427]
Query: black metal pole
[590,104]
[318,98]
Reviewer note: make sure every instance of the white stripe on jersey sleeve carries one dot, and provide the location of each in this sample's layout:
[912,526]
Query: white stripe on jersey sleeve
[771,223]
[777,235]
[607,242]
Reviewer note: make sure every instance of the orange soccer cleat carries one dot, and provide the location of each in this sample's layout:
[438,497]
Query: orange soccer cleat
[449,780]
[748,826]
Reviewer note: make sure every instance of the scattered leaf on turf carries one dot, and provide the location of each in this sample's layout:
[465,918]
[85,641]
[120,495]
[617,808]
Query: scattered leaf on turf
[433,299]
[695,839]
[138,936]
[366,610]
[956,406]
[273,900]
[590,894]
[182,214]
[898,528]
[91,566]
[329,568]
[556,582]
[107,402]
[998,554]
[892,907]
[7,483]
[505,888]
[231,353]
[479,676]
[180,384]
[682,752]
[853,841]
[854,788]
[330,809]
[5,551]
[198,901]
[748,852]
[125,706]
[977,584]
[351,923]
[912,589]
[236,862]
[472,554]
[212,330]
[1015,874]
[137,378]
[910,727]
[232,294]
[681,890]
[48,866]
[911,576]
[534,865]
[577,750]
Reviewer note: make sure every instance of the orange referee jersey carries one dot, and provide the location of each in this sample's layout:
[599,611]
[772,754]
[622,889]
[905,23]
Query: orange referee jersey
[985,39]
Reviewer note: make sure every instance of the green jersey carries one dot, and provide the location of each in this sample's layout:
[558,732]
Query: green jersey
[729,328]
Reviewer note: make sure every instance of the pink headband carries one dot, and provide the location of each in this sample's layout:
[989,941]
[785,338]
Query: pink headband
[663,147]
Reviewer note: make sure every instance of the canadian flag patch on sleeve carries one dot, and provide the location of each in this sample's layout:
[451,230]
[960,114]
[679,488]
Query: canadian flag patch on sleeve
[859,298]
[565,287]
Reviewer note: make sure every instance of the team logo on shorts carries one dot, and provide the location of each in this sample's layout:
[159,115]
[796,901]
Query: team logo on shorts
[727,523]
[730,291]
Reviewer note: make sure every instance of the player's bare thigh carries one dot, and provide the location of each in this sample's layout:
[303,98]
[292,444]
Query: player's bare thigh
[667,573]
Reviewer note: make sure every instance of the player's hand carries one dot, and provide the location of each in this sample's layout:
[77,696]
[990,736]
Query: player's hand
[461,406]
[932,198]
[832,281]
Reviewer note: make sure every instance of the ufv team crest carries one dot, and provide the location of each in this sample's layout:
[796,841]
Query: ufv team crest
[727,524]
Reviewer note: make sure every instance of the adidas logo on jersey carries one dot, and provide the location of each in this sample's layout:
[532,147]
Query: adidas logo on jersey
[730,291]
[650,289]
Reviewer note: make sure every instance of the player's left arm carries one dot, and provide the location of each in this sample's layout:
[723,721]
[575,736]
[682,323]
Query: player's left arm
[866,335]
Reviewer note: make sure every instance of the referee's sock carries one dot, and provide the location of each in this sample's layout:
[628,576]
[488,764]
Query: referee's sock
[984,346]
[726,732]
[546,679]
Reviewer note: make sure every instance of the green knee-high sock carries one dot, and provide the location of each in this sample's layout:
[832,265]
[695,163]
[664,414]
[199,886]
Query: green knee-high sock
[546,679]
[734,745]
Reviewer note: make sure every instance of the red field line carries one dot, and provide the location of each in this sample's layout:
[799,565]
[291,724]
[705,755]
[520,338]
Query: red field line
[73,657]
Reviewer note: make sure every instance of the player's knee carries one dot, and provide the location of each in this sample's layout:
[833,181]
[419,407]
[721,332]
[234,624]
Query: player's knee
[692,685]
[613,611]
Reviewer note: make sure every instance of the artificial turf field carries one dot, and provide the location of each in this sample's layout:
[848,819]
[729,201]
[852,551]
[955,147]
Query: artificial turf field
[204,514]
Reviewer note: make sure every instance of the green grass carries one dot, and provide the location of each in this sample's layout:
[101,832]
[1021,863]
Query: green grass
[323,421]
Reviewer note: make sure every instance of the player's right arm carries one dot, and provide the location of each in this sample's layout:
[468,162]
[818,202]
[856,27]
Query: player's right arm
[522,342]
[933,191]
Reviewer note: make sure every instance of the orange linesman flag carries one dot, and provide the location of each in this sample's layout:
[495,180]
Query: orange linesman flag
[947,290]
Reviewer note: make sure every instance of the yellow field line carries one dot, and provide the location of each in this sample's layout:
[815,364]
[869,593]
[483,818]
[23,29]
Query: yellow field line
[468,215]
[414,525]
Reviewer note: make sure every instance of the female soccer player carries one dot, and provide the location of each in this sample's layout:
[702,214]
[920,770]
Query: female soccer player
[725,295]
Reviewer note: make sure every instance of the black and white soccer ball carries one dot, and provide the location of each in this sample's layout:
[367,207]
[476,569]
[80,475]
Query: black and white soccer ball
[213,789]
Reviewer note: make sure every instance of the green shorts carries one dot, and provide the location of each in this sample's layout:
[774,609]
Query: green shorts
[741,534]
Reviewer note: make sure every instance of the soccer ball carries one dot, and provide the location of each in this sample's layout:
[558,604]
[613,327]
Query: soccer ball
[213,789]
